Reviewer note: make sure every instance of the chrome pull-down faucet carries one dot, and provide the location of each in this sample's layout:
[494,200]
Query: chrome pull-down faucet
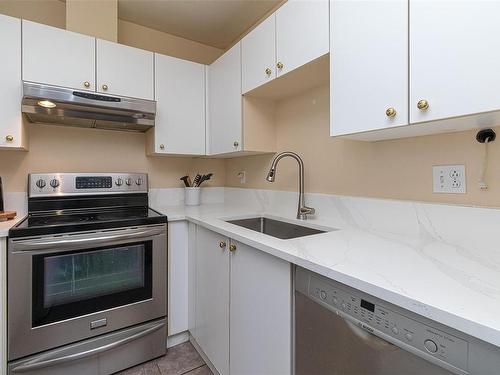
[302,209]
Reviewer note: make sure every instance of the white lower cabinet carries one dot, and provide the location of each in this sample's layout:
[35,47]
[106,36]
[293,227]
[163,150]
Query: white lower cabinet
[260,313]
[177,277]
[3,305]
[242,306]
[212,298]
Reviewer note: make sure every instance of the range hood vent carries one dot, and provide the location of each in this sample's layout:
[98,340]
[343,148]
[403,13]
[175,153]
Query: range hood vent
[61,106]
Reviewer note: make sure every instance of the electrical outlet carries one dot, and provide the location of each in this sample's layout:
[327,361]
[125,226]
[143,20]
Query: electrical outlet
[449,179]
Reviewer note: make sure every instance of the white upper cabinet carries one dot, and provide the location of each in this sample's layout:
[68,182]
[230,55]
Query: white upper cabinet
[11,87]
[124,70]
[258,55]
[302,33]
[180,106]
[225,103]
[454,58]
[368,65]
[58,57]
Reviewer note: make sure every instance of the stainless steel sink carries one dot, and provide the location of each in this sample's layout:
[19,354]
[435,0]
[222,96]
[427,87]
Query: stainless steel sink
[275,228]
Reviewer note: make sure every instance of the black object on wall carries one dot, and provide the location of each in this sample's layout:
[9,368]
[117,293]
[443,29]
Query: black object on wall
[1,196]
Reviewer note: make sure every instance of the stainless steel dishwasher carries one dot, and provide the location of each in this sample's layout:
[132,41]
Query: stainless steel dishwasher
[343,331]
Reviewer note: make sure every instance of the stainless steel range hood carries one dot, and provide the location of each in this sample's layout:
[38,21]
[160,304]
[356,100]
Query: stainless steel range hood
[62,106]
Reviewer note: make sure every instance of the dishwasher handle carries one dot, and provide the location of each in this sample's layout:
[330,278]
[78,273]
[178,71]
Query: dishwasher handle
[369,338]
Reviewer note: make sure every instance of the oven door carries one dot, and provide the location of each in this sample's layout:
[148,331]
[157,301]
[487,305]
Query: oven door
[63,289]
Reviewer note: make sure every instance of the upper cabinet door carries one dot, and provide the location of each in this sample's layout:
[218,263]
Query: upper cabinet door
[11,87]
[368,65]
[454,58]
[258,55]
[180,106]
[302,33]
[124,70]
[225,102]
[58,57]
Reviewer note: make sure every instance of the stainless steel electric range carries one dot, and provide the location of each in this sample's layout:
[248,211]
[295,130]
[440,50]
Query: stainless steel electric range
[87,276]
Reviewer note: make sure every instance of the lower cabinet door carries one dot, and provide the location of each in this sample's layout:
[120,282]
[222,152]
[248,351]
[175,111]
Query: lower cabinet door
[261,318]
[212,297]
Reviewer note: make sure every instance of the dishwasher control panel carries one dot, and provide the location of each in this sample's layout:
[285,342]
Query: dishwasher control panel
[394,326]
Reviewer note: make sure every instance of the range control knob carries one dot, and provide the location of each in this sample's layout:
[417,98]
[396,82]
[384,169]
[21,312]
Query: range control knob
[139,181]
[119,182]
[322,294]
[128,181]
[54,183]
[395,330]
[430,346]
[344,306]
[41,183]
[409,336]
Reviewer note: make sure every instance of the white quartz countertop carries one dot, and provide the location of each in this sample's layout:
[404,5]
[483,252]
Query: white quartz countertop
[447,283]
[6,225]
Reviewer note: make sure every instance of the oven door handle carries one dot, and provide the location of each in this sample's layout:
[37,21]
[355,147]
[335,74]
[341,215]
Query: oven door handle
[37,363]
[87,239]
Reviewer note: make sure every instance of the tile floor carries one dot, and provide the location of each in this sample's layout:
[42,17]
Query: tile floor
[181,359]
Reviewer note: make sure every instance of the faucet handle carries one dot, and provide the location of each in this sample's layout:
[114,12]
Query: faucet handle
[307,210]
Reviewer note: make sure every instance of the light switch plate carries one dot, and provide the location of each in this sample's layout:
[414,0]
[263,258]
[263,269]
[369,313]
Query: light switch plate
[449,179]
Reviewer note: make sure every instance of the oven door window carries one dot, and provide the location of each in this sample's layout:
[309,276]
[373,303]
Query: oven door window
[75,283]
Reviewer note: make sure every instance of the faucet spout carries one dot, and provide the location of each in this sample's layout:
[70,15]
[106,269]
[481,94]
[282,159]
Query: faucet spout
[302,209]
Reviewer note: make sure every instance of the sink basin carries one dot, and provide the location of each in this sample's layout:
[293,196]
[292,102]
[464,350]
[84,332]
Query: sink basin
[275,228]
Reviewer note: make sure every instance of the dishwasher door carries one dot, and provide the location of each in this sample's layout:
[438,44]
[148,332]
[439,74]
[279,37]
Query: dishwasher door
[327,344]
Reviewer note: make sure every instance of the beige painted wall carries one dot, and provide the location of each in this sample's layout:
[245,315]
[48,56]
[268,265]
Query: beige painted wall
[48,12]
[65,149]
[143,37]
[93,17]
[400,169]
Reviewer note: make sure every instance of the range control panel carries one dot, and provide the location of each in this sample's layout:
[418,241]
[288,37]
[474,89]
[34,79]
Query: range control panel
[403,331]
[63,184]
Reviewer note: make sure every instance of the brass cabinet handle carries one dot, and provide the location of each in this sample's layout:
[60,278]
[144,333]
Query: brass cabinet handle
[162,147]
[268,71]
[222,244]
[105,87]
[236,143]
[423,104]
[232,247]
[279,65]
[86,84]
[390,112]
[9,138]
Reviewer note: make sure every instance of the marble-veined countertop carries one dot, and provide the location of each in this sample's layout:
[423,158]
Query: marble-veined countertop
[452,285]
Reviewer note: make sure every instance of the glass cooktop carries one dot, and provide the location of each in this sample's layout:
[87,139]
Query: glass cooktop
[83,220]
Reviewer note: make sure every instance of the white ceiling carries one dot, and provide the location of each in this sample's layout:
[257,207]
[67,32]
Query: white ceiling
[216,23]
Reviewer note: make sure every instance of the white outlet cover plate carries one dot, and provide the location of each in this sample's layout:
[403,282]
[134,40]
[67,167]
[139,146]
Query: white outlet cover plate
[449,179]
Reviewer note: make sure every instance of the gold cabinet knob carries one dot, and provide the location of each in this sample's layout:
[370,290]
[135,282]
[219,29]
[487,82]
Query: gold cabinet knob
[390,112]
[279,65]
[9,138]
[236,143]
[268,71]
[232,247]
[86,84]
[162,147]
[423,104]
[222,244]
[105,87]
